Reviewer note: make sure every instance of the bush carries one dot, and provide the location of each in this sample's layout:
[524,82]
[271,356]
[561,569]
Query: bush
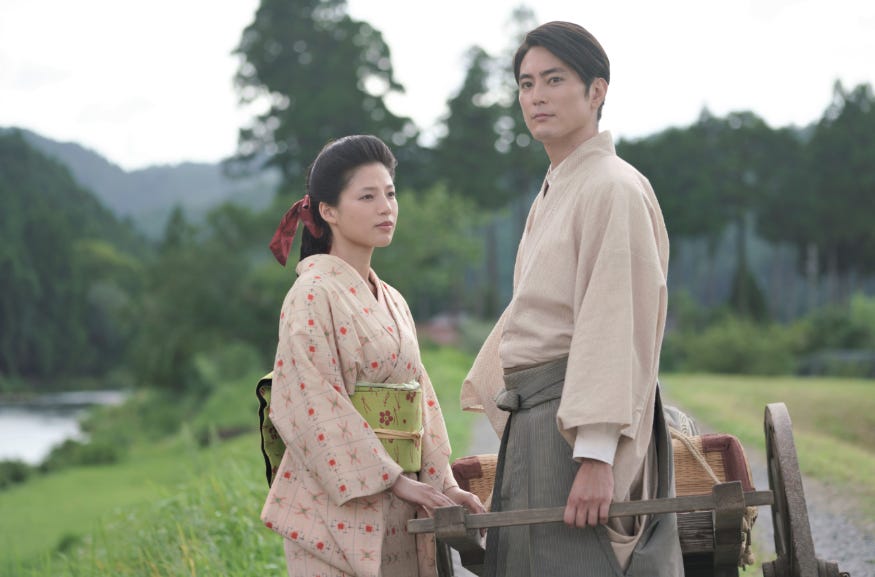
[12,472]
[72,453]
[735,346]
[841,327]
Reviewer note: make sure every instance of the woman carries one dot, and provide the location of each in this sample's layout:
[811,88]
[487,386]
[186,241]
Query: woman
[339,499]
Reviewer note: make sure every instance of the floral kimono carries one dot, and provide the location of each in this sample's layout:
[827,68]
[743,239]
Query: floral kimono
[330,499]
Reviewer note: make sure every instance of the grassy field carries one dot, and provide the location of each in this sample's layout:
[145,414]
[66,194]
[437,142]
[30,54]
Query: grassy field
[833,422]
[176,509]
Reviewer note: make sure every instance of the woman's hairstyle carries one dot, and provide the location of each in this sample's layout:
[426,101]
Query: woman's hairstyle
[329,174]
[573,45]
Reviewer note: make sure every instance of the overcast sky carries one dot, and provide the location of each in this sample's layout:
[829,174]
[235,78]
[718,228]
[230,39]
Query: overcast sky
[147,83]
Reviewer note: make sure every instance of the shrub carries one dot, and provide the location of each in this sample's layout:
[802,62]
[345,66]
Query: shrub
[73,453]
[735,346]
[13,471]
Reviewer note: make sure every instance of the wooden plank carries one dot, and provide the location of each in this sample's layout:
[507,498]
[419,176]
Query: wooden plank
[728,528]
[556,514]
[696,532]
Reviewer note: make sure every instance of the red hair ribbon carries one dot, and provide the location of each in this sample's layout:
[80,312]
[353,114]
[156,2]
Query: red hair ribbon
[282,240]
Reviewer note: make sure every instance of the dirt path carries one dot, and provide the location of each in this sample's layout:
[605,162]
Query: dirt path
[839,532]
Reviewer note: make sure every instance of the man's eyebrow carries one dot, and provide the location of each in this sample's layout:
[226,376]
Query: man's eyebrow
[543,74]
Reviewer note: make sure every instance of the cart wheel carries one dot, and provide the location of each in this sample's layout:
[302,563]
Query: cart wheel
[793,544]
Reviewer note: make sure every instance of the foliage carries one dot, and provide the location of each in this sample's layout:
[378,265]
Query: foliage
[470,157]
[432,247]
[321,75]
[734,346]
[199,298]
[72,453]
[850,326]
[843,177]
[68,267]
[13,472]
[713,174]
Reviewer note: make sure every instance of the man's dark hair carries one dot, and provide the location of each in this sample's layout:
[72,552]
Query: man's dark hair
[572,44]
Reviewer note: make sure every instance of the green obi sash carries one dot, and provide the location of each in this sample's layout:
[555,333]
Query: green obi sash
[272,445]
[394,412]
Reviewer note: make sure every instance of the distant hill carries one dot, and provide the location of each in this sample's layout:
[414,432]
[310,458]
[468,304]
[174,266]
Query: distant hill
[147,196]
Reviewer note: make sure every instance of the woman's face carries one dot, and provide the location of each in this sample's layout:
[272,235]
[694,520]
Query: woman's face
[366,211]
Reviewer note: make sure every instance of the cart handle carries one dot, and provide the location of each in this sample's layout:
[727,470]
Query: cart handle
[723,494]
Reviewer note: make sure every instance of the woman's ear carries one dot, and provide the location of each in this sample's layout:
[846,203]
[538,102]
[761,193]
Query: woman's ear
[328,213]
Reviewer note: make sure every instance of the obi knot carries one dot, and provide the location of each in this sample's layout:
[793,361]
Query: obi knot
[508,400]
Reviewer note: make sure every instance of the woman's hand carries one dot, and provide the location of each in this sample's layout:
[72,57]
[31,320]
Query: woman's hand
[424,496]
[468,500]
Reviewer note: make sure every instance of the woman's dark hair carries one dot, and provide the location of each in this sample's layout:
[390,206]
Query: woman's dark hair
[571,44]
[329,174]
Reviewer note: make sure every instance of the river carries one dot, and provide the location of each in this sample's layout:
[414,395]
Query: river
[30,429]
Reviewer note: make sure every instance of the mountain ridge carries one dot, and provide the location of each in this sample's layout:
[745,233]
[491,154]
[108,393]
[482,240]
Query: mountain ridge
[147,196]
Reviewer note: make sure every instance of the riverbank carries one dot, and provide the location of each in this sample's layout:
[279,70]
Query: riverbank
[32,425]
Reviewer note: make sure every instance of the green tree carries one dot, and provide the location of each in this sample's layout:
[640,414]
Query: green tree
[843,175]
[487,154]
[432,249]
[54,239]
[716,173]
[321,75]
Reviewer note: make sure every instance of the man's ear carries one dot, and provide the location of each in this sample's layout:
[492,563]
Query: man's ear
[328,213]
[599,90]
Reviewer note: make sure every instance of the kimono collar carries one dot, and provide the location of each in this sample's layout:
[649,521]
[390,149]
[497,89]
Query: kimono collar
[602,144]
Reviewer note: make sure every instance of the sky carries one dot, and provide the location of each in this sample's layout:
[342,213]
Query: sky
[145,83]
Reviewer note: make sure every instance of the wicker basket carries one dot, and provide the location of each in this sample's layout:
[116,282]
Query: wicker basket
[476,473]
[702,461]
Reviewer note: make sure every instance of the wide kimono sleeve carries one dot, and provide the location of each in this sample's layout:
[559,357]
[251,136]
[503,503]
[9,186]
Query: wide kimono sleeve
[436,449]
[486,379]
[620,302]
[311,408]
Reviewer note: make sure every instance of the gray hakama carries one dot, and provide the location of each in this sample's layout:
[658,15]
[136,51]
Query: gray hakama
[536,469]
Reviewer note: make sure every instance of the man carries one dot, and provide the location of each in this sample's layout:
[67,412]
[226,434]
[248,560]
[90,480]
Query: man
[568,376]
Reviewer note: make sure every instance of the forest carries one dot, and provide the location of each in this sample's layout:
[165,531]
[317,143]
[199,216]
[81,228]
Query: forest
[773,249]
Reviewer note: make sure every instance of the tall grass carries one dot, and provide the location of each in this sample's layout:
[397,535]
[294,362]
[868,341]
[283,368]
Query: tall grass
[208,525]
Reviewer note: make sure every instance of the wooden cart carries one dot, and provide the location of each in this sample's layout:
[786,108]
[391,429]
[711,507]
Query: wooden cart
[711,526]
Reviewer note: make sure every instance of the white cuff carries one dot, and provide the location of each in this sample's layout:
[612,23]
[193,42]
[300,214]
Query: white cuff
[597,441]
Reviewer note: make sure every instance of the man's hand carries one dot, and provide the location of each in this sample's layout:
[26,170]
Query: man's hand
[591,494]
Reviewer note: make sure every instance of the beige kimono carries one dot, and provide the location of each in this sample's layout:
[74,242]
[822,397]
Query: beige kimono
[331,498]
[590,284]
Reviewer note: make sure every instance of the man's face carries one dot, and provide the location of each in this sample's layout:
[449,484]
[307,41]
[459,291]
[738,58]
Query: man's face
[559,110]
